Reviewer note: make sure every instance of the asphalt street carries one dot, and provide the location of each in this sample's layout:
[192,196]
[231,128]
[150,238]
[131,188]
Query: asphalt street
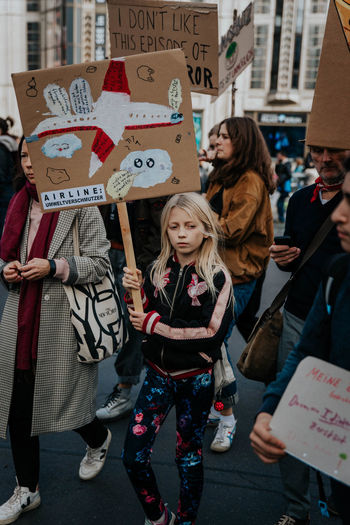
[239,489]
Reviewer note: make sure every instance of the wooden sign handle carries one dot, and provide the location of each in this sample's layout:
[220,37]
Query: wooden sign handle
[129,251]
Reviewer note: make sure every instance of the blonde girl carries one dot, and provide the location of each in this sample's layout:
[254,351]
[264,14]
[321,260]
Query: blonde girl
[187,297]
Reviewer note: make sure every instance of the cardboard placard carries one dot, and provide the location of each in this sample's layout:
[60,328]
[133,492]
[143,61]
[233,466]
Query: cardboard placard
[330,114]
[313,417]
[143,26]
[236,50]
[107,131]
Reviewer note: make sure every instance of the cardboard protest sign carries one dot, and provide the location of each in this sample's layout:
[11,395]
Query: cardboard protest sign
[143,26]
[313,417]
[236,50]
[112,130]
[330,113]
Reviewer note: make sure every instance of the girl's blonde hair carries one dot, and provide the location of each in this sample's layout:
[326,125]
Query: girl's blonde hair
[208,261]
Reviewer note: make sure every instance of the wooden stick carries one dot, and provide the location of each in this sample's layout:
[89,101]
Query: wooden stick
[129,251]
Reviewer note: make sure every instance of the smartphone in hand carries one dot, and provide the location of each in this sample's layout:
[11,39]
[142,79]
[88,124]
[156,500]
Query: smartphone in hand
[283,240]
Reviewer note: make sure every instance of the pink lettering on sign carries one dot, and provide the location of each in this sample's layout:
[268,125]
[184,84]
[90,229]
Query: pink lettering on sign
[317,375]
[333,418]
[295,402]
[339,397]
[329,434]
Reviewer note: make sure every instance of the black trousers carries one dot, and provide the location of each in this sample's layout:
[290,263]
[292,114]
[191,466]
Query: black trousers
[248,318]
[341,495]
[25,448]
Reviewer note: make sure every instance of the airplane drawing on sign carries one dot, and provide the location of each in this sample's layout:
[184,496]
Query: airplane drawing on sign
[110,116]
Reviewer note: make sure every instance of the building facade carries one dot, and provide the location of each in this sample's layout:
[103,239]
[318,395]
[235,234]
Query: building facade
[276,90]
[38,34]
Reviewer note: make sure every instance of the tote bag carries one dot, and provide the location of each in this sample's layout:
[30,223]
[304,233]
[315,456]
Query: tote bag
[96,315]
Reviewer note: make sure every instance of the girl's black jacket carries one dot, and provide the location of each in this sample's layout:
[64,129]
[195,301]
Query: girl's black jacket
[186,331]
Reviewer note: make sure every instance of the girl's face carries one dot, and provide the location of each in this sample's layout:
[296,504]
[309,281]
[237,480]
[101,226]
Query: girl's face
[185,234]
[26,163]
[224,147]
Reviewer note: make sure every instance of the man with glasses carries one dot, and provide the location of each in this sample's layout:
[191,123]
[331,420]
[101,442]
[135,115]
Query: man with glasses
[307,210]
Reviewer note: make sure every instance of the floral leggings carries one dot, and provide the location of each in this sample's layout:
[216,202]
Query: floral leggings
[192,398]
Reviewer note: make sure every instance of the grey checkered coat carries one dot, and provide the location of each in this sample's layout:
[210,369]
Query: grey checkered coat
[65,390]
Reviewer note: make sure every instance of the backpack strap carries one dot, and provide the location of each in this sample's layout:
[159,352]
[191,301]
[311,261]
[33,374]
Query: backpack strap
[337,271]
[316,242]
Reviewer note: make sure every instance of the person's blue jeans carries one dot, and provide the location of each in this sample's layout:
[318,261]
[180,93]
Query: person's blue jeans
[280,205]
[129,361]
[242,293]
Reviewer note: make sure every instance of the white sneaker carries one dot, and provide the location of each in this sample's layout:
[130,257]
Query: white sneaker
[94,459]
[22,500]
[170,518]
[212,420]
[116,406]
[223,437]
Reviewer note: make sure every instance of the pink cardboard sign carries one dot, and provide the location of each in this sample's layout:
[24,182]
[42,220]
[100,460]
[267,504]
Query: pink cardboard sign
[313,417]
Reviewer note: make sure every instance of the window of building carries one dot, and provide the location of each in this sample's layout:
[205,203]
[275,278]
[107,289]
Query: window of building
[262,6]
[298,44]
[314,45]
[56,33]
[32,5]
[33,45]
[257,80]
[100,37]
[319,6]
[276,45]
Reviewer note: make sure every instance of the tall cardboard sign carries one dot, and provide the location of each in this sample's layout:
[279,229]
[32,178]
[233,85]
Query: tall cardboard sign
[107,131]
[313,417]
[143,26]
[330,113]
[236,50]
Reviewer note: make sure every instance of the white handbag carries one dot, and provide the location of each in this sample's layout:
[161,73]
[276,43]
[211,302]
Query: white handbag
[223,373]
[96,315]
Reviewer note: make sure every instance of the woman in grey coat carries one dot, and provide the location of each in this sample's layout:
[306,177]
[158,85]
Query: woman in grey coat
[43,387]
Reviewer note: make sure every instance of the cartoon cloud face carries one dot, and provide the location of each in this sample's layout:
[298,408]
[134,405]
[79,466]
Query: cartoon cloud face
[63,146]
[150,167]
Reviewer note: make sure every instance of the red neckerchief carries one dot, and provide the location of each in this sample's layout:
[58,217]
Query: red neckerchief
[321,186]
[30,292]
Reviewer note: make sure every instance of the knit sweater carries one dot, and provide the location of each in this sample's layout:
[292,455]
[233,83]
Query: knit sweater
[324,336]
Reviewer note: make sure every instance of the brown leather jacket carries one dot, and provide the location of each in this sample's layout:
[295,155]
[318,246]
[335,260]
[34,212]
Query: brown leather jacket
[247,223]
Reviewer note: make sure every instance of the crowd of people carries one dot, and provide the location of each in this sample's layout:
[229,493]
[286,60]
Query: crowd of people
[201,262]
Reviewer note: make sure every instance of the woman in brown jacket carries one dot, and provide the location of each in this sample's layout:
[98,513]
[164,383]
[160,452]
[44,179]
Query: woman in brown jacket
[239,190]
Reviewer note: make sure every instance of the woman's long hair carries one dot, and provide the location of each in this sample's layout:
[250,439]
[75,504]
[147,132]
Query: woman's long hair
[19,179]
[208,261]
[250,154]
